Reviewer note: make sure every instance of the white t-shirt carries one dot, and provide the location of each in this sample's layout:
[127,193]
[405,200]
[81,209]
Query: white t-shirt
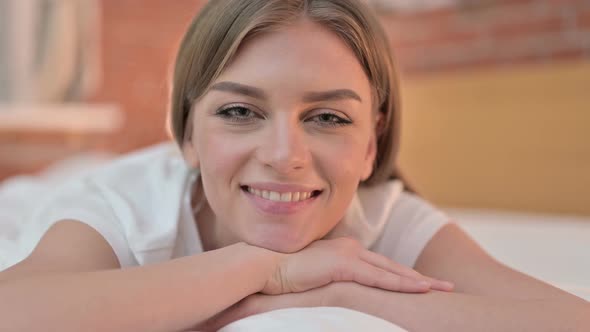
[140,204]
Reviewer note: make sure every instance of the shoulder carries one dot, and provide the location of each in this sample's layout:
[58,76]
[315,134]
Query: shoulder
[138,178]
[411,223]
[410,205]
[391,203]
[133,200]
[160,161]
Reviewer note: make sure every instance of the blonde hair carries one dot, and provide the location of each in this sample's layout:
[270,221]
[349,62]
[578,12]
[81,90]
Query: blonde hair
[215,34]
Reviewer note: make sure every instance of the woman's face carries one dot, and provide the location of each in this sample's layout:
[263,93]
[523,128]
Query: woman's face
[283,138]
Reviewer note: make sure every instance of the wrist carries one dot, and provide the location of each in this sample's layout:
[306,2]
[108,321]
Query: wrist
[267,263]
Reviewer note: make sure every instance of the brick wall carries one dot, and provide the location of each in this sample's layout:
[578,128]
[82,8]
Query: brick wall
[139,41]
[488,33]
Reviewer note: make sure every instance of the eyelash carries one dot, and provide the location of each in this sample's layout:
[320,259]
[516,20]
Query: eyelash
[225,113]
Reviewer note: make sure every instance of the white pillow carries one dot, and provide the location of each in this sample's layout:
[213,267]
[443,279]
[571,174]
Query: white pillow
[319,319]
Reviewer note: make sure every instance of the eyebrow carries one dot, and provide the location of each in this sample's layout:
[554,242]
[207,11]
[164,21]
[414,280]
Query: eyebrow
[241,89]
[311,97]
[308,97]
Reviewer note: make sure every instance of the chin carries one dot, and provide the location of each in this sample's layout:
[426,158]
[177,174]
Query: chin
[279,244]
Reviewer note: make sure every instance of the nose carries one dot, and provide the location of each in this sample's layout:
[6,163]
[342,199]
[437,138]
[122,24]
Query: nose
[285,148]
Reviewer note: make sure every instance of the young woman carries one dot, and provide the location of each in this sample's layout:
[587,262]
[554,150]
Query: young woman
[281,192]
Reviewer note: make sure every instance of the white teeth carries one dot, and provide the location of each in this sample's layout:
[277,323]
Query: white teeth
[274,196]
[286,197]
[280,197]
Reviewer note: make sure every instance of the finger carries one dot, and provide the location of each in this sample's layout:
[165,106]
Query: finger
[369,275]
[387,264]
[441,285]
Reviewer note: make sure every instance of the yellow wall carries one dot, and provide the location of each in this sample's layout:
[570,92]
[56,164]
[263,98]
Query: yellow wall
[511,138]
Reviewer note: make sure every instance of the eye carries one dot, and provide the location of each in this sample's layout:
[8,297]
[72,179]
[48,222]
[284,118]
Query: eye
[330,120]
[237,113]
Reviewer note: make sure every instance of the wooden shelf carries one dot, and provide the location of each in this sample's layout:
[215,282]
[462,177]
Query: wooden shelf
[34,136]
[86,118]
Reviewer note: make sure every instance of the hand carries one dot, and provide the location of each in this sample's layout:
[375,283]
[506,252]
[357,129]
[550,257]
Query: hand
[345,259]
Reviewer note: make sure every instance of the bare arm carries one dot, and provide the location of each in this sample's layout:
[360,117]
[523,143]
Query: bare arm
[488,295]
[453,255]
[71,295]
[72,282]
[441,311]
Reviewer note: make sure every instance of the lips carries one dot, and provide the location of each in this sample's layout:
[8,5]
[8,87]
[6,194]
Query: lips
[276,196]
[280,202]
[281,187]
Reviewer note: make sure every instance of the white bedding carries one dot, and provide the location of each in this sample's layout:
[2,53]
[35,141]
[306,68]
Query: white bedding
[320,319]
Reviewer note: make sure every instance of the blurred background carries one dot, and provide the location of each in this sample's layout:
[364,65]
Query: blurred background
[496,93]
[496,97]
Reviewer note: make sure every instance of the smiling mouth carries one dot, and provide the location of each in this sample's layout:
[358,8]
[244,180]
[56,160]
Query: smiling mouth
[285,197]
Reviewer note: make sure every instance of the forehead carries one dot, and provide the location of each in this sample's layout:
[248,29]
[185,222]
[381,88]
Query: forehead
[300,53]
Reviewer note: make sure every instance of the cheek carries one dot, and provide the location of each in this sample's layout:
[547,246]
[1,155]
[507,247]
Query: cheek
[221,157]
[222,154]
[341,158]
[340,163]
